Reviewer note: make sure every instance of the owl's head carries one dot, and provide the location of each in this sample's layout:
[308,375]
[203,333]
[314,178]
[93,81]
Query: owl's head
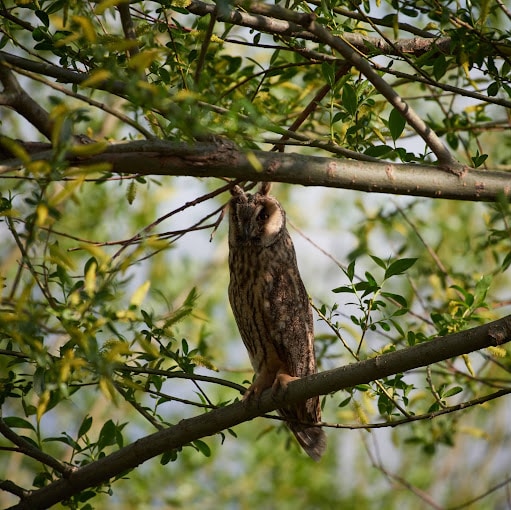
[256,219]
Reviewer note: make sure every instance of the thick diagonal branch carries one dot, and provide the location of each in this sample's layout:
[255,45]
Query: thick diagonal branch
[213,422]
[444,156]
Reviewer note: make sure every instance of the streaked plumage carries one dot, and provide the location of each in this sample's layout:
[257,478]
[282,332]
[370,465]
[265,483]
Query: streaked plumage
[271,307]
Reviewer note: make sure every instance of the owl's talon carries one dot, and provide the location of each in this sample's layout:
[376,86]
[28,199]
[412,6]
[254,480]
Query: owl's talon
[281,381]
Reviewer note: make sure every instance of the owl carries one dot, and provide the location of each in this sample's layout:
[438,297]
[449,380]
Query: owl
[271,307]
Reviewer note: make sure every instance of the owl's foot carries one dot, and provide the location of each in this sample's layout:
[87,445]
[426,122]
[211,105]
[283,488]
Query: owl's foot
[282,379]
[262,382]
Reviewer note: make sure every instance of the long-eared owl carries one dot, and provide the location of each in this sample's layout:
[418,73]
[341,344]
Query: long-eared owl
[271,307]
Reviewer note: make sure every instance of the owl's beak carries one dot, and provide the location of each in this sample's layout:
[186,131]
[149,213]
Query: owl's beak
[246,232]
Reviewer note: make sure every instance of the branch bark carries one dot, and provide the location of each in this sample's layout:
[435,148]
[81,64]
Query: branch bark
[219,159]
[213,422]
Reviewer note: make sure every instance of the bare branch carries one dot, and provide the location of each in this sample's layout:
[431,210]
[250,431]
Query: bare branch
[9,486]
[14,97]
[63,75]
[128,27]
[213,159]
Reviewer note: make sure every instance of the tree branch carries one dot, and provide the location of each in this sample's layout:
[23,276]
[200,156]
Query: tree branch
[444,156]
[27,448]
[417,45]
[219,159]
[13,96]
[213,422]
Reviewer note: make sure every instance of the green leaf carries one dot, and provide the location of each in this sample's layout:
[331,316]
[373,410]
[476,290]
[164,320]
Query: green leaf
[168,457]
[350,271]
[452,391]
[400,300]
[64,439]
[202,447]
[345,402]
[349,99]
[439,66]
[43,17]
[399,267]
[328,72]
[397,124]
[344,288]
[85,426]
[107,435]
[378,151]
[479,159]
[379,261]
[482,287]
[18,423]
[493,89]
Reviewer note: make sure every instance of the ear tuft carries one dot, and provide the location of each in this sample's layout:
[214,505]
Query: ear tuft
[265,187]
[236,191]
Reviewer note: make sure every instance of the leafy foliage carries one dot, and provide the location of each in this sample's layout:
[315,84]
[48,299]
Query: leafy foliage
[113,314]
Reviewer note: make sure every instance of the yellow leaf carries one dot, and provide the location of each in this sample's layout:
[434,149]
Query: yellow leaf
[254,162]
[66,191]
[96,77]
[87,28]
[107,388]
[149,348]
[38,168]
[183,95]
[132,192]
[122,45]
[98,253]
[114,349]
[468,364]
[61,257]
[106,4]
[96,168]
[475,432]
[44,399]
[90,279]
[155,243]
[68,363]
[182,3]
[74,36]
[215,38]
[16,149]
[42,214]
[498,352]
[143,60]
[140,294]
[89,149]
[126,315]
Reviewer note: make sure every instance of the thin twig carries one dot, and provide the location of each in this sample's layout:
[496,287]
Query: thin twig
[30,450]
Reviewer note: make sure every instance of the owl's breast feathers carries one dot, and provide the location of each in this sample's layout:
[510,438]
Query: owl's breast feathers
[271,308]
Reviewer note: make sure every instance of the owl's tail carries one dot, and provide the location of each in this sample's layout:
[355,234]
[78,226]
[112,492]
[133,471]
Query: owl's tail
[312,439]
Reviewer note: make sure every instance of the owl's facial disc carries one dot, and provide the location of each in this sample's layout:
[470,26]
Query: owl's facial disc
[273,222]
[258,218]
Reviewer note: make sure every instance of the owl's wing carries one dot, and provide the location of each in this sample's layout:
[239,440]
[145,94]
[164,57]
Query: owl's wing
[292,319]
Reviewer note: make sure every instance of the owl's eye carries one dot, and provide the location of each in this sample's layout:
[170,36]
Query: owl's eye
[263,215]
